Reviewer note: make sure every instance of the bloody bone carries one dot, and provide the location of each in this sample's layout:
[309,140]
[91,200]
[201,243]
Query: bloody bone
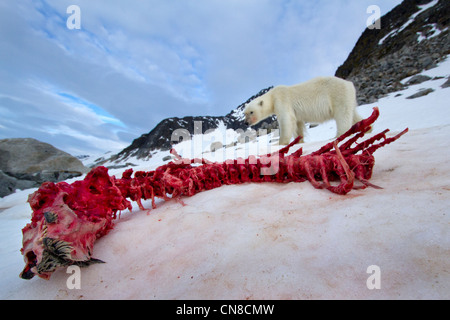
[66,221]
[68,218]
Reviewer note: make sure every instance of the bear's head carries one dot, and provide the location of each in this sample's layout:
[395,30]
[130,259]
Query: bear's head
[258,109]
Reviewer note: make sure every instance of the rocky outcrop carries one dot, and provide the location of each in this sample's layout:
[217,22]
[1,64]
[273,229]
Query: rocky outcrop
[9,184]
[446,84]
[413,37]
[27,163]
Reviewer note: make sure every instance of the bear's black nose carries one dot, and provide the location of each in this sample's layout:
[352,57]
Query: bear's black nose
[246,123]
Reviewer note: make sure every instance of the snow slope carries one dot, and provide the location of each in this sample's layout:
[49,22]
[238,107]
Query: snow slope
[277,241]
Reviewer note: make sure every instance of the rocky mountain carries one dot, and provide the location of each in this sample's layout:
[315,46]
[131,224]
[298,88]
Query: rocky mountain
[160,138]
[413,36]
[27,163]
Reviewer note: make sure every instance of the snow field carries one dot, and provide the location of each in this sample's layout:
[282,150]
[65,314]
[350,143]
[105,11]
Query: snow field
[277,241]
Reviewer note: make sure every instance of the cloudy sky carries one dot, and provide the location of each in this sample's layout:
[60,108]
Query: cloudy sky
[133,63]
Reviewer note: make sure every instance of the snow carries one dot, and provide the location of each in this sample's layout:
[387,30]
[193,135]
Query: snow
[277,241]
[435,31]
[239,114]
[411,19]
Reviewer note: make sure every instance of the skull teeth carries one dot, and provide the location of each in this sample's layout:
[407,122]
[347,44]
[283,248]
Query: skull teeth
[57,253]
[59,248]
[50,262]
[44,234]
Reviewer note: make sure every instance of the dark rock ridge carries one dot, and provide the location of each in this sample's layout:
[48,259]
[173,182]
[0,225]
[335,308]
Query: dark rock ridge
[27,163]
[160,138]
[410,40]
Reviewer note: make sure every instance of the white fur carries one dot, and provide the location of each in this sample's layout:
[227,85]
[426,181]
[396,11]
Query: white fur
[315,101]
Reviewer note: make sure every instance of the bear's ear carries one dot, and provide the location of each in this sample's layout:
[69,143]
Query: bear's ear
[261,103]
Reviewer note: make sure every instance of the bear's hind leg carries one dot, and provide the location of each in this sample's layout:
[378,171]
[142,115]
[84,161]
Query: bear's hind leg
[343,122]
[356,117]
[300,131]
[287,128]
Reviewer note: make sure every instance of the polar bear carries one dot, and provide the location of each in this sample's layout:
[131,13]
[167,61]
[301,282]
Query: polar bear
[315,101]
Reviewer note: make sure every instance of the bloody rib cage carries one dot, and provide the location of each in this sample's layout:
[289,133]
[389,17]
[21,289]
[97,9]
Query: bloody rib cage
[68,218]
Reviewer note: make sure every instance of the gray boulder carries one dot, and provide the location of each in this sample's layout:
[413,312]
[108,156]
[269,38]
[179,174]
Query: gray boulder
[446,84]
[421,93]
[418,79]
[9,184]
[27,163]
